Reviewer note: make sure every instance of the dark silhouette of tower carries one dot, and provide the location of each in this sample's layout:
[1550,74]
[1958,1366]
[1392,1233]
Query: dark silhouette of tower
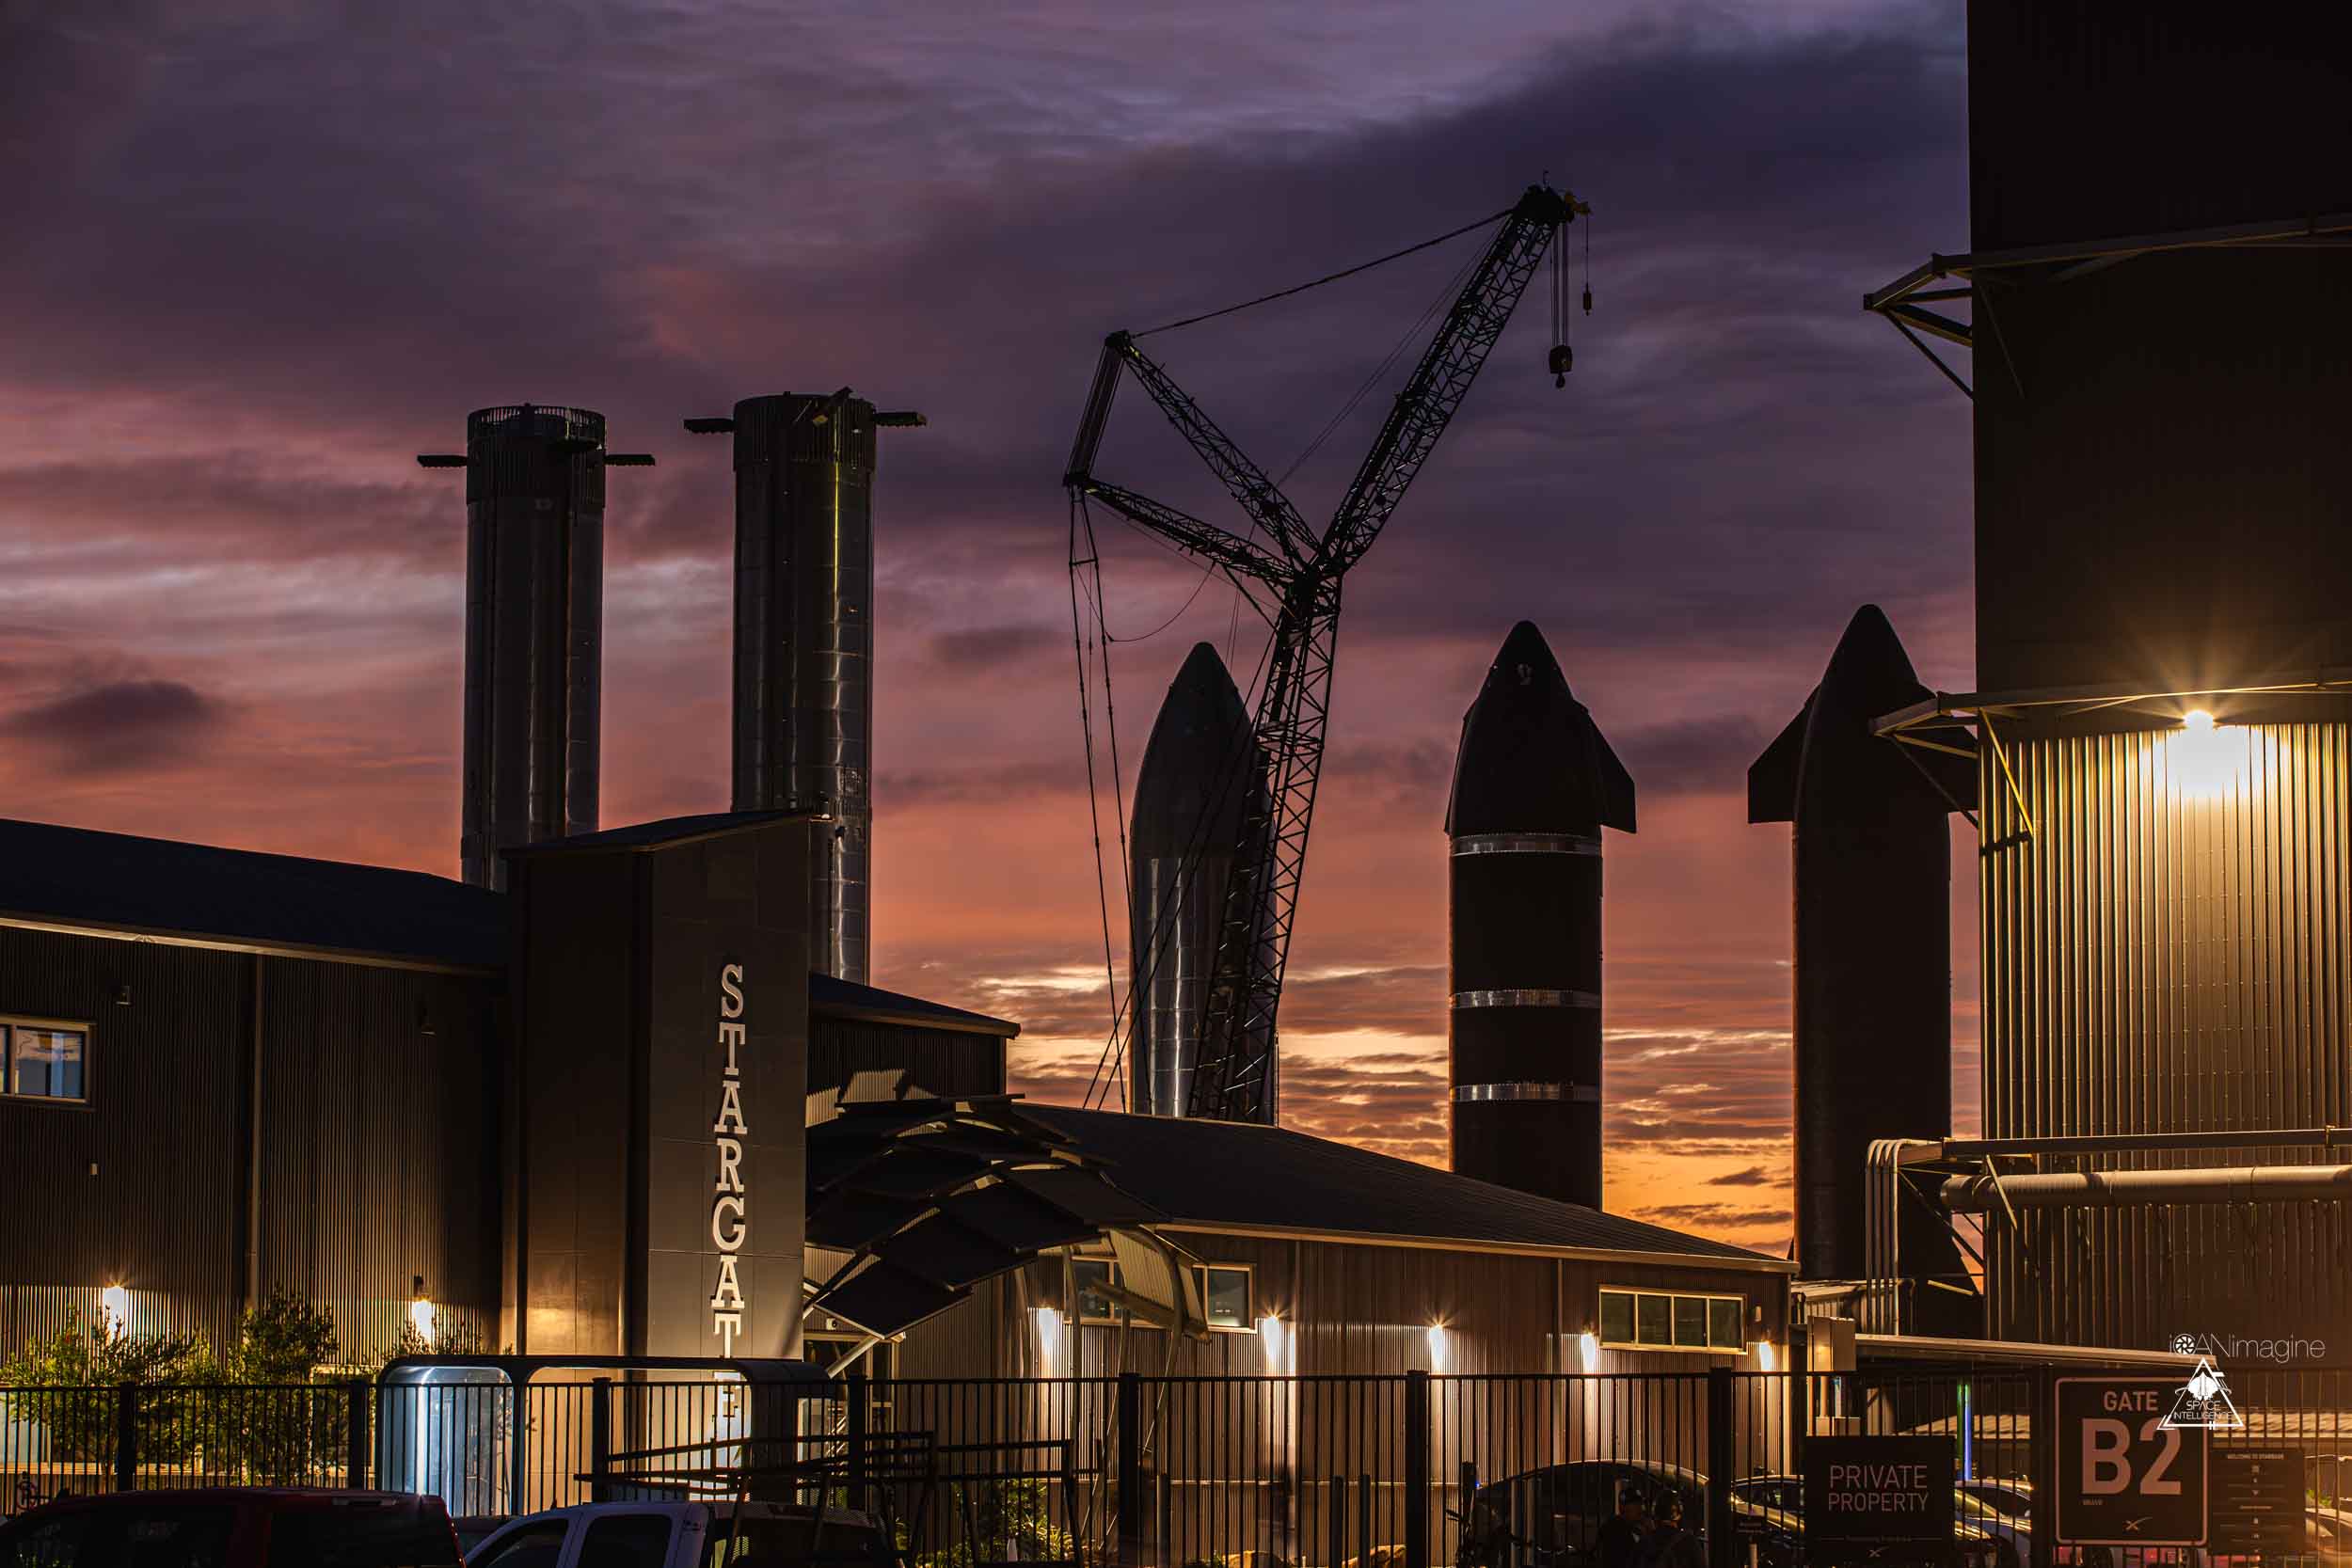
[1872,875]
[805,639]
[1533,784]
[535,635]
[1200,771]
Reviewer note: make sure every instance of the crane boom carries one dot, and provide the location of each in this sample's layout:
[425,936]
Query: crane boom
[1235,1078]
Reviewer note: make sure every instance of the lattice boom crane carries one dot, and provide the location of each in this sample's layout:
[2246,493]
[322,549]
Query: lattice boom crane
[1294,582]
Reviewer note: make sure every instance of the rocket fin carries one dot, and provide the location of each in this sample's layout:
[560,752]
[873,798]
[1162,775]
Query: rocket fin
[1615,785]
[1773,777]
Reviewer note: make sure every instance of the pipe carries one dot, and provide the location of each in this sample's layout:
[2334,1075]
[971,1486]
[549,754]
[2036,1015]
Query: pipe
[2116,1189]
[2146,1142]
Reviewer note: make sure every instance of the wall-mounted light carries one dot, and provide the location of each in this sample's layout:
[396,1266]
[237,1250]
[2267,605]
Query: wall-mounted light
[1278,1343]
[122,994]
[1588,1351]
[1047,1323]
[114,1307]
[2204,759]
[1437,1347]
[421,1313]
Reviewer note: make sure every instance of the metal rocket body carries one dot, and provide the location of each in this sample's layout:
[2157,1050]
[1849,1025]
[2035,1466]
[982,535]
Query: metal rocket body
[1533,784]
[1202,770]
[1873,879]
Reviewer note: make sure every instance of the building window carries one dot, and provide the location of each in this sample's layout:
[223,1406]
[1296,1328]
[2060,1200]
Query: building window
[1224,1297]
[1088,1277]
[44,1060]
[1664,1320]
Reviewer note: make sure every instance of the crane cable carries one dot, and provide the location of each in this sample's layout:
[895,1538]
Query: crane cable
[1086,730]
[1327,277]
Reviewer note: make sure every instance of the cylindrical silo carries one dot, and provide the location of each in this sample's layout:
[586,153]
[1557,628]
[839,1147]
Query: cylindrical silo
[805,642]
[1199,774]
[1533,784]
[534,605]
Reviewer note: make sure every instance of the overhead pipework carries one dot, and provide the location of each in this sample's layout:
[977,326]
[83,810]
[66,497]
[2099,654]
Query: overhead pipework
[535,637]
[804,708]
[1291,577]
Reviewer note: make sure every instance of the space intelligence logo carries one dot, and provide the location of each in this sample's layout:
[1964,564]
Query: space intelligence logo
[2204,1398]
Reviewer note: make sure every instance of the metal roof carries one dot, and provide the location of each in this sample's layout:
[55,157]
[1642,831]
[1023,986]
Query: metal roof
[663,832]
[115,884]
[1238,1178]
[837,998]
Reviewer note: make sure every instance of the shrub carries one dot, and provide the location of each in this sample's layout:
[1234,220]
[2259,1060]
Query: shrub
[76,1369]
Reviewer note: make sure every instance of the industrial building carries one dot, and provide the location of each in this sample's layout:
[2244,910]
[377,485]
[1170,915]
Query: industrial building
[562,1100]
[259,1072]
[2157,302]
[237,1072]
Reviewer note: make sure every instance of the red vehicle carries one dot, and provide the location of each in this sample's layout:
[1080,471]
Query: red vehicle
[233,1527]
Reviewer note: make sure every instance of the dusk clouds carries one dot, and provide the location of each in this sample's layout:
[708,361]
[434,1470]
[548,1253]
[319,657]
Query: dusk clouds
[260,260]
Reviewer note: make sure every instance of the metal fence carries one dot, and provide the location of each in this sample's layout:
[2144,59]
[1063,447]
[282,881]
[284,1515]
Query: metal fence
[1163,1472]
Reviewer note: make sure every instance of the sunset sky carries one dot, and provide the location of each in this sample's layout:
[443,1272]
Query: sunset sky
[254,263]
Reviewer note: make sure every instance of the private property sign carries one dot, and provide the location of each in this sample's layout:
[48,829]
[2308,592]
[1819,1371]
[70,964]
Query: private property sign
[2126,1475]
[1879,1492]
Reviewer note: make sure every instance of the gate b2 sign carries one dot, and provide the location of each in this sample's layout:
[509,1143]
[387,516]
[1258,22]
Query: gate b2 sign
[2124,1478]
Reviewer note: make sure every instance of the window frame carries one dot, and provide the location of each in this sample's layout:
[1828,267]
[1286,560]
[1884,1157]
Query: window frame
[9,1023]
[1671,1297]
[1074,1311]
[1248,1271]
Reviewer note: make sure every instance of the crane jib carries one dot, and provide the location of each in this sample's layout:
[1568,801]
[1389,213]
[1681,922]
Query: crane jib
[1236,1074]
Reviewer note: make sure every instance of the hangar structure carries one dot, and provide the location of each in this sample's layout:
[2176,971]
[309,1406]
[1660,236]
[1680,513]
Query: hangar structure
[2158,295]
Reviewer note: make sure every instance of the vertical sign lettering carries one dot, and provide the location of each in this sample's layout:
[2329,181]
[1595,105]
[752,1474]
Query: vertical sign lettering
[729,1219]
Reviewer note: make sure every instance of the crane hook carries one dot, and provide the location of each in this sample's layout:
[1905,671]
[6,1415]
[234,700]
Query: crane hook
[1563,360]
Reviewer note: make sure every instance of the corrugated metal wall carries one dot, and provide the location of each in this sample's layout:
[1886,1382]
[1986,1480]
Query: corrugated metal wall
[378,1139]
[143,1186]
[1349,1308]
[380,1130]
[2169,952]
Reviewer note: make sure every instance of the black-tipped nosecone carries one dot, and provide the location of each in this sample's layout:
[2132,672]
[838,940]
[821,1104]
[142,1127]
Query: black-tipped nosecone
[1531,755]
[1872,880]
[1201,771]
[1533,784]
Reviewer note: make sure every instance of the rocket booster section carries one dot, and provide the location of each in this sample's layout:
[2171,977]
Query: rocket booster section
[1533,784]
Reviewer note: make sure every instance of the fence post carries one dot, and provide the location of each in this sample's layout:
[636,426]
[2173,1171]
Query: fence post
[1722,1460]
[2042,1464]
[601,1441]
[1800,1395]
[1416,1470]
[857,1426]
[1132,1513]
[356,1435]
[126,1437]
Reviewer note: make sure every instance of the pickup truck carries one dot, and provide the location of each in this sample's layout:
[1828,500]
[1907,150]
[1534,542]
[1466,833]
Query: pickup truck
[716,1534]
